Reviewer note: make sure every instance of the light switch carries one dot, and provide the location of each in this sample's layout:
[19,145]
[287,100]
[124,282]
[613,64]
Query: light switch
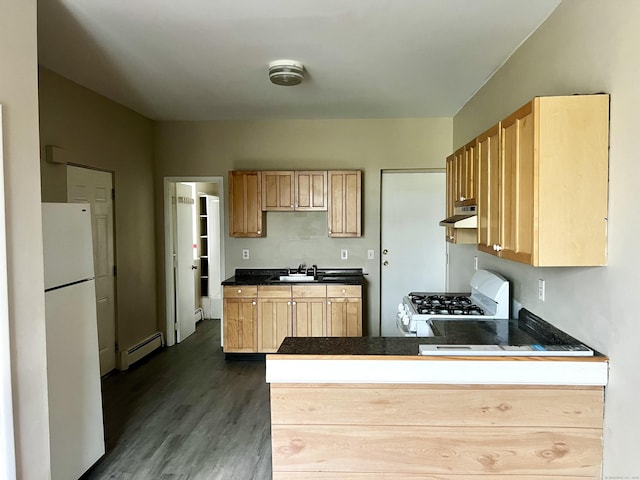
[371,254]
[344,254]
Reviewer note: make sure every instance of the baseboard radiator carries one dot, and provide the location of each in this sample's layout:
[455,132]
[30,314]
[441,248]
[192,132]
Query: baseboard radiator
[140,350]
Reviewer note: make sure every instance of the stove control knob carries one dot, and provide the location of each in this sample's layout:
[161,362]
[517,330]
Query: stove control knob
[400,308]
[405,319]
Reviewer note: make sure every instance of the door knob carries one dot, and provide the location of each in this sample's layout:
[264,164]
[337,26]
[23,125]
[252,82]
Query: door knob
[385,252]
[385,263]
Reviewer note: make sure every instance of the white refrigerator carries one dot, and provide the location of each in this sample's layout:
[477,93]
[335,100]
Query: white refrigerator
[73,370]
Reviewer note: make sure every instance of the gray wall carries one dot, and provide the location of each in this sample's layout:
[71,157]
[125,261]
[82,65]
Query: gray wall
[585,46]
[99,133]
[214,148]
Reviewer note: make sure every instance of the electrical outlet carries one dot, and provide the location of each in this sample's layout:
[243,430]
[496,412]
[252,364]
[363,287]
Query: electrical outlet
[245,254]
[344,254]
[541,290]
[475,262]
[371,254]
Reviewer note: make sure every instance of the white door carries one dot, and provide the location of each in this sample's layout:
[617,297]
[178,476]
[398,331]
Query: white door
[85,185]
[413,250]
[184,265]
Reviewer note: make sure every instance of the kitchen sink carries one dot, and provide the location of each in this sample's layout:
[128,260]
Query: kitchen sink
[297,278]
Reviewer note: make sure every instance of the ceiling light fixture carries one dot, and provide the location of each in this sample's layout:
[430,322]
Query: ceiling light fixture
[286,72]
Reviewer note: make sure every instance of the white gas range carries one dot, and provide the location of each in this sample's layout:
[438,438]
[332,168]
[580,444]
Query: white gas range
[488,300]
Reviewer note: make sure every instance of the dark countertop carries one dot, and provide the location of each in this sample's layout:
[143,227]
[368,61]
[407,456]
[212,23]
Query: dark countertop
[270,276]
[528,330]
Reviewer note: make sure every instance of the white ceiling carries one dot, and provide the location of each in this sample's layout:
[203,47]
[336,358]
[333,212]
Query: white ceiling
[207,59]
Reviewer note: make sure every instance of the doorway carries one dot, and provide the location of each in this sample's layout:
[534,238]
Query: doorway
[413,250]
[207,252]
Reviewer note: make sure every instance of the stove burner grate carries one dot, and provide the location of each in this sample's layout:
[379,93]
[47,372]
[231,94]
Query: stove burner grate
[449,310]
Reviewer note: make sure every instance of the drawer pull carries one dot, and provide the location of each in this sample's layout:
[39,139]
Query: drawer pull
[239,291]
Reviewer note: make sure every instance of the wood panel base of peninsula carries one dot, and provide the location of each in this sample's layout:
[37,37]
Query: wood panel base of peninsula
[436,432]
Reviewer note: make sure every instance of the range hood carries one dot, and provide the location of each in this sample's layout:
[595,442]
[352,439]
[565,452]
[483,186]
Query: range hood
[464,217]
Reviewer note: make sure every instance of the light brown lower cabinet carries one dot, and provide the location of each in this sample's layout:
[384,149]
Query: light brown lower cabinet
[354,431]
[309,310]
[344,311]
[256,319]
[240,319]
[274,316]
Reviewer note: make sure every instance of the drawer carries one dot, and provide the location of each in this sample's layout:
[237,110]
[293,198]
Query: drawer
[309,291]
[274,291]
[240,291]
[344,291]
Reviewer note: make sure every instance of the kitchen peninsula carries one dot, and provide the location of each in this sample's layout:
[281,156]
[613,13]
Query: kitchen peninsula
[373,408]
[263,306]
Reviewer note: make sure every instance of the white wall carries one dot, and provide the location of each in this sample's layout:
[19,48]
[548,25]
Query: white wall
[585,46]
[214,148]
[19,98]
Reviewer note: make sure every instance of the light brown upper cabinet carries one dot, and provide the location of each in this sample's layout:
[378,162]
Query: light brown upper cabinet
[489,179]
[284,191]
[344,203]
[457,183]
[467,158]
[277,191]
[311,190]
[245,211]
[552,181]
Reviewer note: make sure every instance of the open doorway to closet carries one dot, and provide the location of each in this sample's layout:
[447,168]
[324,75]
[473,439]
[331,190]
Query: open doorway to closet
[194,252]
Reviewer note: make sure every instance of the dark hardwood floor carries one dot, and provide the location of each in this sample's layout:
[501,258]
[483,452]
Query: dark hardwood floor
[186,413]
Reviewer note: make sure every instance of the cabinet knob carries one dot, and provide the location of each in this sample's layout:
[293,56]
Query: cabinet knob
[328,303]
[344,290]
[253,303]
[259,232]
[294,303]
[239,290]
[462,199]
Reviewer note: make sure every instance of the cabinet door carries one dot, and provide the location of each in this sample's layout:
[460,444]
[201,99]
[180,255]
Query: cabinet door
[240,317]
[274,323]
[344,317]
[452,177]
[245,211]
[277,191]
[311,191]
[310,317]
[344,310]
[517,185]
[468,173]
[488,196]
[344,203]
[454,192]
